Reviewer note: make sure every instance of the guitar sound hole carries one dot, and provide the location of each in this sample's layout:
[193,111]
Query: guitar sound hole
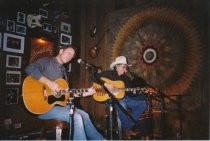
[52,99]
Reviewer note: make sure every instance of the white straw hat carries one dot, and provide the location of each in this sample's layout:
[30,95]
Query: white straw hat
[119,60]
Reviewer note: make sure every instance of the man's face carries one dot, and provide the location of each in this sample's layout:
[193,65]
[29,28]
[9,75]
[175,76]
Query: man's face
[121,69]
[66,55]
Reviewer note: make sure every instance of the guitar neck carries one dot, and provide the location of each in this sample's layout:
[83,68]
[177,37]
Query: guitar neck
[72,92]
[134,90]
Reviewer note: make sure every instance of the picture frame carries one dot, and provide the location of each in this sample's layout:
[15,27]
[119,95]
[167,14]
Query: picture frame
[13,77]
[13,43]
[21,29]
[47,27]
[11,96]
[10,26]
[55,30]
[43,13]
[65,27]
[65,39]
[21,17]
[13,61]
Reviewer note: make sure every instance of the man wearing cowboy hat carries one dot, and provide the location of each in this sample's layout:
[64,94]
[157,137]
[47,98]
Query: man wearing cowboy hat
[136,103]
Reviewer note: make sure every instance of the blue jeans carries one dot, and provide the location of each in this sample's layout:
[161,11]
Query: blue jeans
[137,108]
[83,127]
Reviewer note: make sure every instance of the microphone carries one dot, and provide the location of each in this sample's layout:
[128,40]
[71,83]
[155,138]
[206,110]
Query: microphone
[88,65]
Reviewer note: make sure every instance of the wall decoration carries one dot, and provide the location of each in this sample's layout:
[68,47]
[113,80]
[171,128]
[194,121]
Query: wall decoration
[163,46]
[10,26]
[43,13]
[65,39]
[13,77]
[55,30]
[8,123]
[13,61]
[3,23]
[21,17]
[13,43]
[40,48]
[34,21]
[65,27]
[47,27]
[11,96]
[21,29]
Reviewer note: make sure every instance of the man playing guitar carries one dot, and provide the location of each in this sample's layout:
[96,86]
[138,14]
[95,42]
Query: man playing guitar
[46,71]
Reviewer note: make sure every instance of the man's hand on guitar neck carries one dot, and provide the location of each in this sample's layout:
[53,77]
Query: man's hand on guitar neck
[90,91]
[151,91]
[84,92]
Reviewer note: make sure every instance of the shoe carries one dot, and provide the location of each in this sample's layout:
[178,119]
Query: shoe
[132,133]
[128,133]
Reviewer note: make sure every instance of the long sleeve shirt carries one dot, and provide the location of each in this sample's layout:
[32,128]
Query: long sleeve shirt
[48,67]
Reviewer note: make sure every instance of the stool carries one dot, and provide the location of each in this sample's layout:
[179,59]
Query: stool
[119,125]
[145,125]
[57,125]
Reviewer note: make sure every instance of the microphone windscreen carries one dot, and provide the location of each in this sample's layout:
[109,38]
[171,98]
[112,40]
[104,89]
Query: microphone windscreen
[79,60]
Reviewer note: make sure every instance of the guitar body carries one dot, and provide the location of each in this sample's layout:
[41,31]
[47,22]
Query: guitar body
[38,98]
[101,95]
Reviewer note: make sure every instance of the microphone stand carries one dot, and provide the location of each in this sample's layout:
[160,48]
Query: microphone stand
[71,107]
[71,115]
[110,102]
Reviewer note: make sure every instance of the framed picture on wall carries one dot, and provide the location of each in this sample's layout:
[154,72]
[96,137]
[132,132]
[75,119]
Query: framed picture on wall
[65,39]
[65,27]
[13,77]
[21,17]
[13,61]
[13,43]
[21,29]
[11,96]
[47,27]
[43,13]
[10,26]
[55,30]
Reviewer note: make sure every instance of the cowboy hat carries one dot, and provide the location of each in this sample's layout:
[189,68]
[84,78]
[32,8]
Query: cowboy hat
[119,60]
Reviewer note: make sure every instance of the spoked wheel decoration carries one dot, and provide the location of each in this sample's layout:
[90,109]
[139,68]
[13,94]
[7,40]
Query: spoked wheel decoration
[163,46]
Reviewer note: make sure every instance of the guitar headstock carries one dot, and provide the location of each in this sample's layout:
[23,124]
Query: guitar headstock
[150,91]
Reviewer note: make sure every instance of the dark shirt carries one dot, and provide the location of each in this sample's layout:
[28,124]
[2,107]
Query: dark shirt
[48,67]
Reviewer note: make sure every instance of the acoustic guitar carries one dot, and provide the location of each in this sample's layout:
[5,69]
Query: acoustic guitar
[38,98]
[119,90]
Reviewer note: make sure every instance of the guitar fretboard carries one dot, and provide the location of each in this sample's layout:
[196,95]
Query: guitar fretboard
[136,90]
